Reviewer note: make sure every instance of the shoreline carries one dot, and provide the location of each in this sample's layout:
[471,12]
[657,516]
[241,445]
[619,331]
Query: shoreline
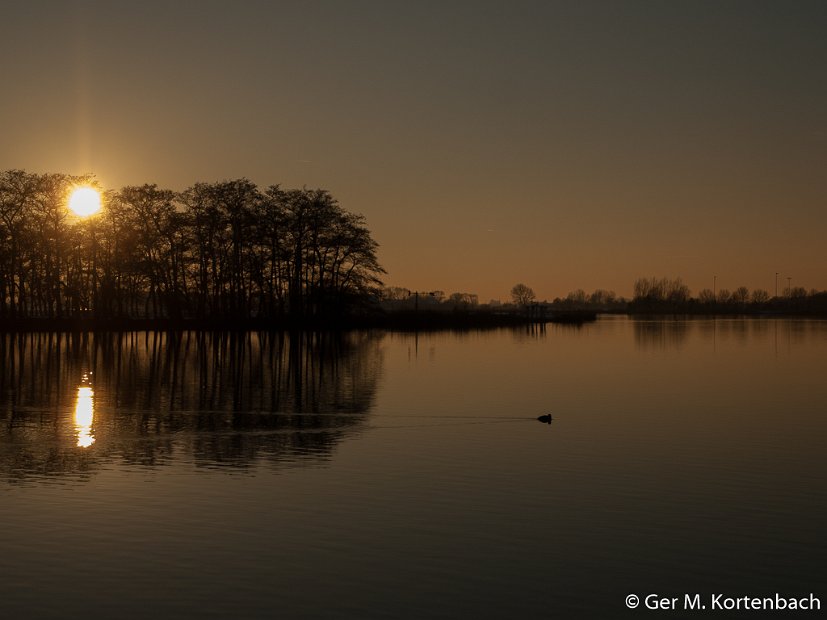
[422,321]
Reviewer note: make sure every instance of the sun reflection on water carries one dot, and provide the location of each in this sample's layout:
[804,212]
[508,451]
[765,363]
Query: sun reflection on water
[85,414]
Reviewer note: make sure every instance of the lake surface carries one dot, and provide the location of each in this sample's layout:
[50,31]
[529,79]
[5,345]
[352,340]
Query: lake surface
[406,476]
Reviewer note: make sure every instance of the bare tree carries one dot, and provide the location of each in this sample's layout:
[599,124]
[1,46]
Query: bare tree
[659,290]
[706,296]
[17,190]
[602,297]
[522,295]
[577,298]
[740,295]
[395,293]
[463,300]
[160,244]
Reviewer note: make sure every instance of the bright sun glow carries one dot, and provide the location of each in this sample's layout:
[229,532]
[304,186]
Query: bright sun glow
[85,201]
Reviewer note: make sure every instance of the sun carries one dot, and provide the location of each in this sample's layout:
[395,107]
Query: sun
[85,201]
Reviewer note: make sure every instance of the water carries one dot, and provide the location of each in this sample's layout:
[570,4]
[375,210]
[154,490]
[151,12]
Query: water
[403,476]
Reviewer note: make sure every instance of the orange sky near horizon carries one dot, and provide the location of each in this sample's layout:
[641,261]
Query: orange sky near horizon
[564,145]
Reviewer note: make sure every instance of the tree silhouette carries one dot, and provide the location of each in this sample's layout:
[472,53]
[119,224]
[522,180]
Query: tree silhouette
[522,295]
[740,295]
[221,250]
[706,296]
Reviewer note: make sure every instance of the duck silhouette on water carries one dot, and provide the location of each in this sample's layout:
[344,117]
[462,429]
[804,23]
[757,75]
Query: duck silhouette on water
[545,419]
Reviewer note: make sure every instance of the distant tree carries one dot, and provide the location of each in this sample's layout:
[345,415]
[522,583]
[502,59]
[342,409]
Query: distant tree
[740,295]
[798,292]
[659,290]
[577,298]
[724,296]
[463,299]
[706,296]
[676,291]
[647,289]
[602,297]
[522,295]
[760,296]
[395,293]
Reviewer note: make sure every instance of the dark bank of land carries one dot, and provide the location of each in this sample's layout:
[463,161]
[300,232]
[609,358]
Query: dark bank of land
[399,321]
[404,320]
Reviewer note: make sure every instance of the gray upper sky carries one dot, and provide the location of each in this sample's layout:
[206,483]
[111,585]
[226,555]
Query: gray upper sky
[562,144]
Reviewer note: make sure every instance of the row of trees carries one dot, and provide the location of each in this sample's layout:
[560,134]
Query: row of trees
[650,294]
[216,250]
[400,298]
[655,293]
[660,294]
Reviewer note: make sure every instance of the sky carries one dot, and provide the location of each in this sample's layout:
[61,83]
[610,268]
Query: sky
[561,144]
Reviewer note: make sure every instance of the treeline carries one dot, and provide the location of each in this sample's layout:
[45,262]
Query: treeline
[660,295]
[666,294]
[599,300]
[225,250]
[396,297]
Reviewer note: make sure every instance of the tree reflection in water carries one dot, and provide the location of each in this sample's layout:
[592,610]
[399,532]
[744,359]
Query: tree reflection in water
[658,333]
[220,399]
